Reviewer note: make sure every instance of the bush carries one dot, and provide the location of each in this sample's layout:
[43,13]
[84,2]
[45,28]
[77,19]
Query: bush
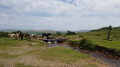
[3,34]
[87,45]
[70,33]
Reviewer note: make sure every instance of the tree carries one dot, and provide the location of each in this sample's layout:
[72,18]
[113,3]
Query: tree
[58,33]
[70,33]
[109,32]
[17,32]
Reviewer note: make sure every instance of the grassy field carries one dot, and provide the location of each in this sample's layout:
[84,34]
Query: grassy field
[99,37]
[17,53]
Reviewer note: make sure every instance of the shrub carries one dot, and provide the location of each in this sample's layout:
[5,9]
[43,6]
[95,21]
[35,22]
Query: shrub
[3,34]
[70,33]
[87,45]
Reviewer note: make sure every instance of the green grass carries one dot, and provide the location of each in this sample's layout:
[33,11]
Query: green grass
[5,42]
[99,38]
[57,54]
[62,54]
[5,55]
[6,45]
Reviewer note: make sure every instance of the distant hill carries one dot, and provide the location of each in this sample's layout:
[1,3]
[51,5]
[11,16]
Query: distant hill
[106,29]
[116,28]
[79,31]
[38,32]
[9,30]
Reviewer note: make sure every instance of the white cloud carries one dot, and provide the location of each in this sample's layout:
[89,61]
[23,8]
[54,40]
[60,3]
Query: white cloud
[57,14]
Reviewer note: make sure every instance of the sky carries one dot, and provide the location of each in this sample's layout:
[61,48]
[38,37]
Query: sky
[59,14]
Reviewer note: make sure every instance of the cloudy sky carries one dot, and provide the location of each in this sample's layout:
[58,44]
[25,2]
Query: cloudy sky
[59,14]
